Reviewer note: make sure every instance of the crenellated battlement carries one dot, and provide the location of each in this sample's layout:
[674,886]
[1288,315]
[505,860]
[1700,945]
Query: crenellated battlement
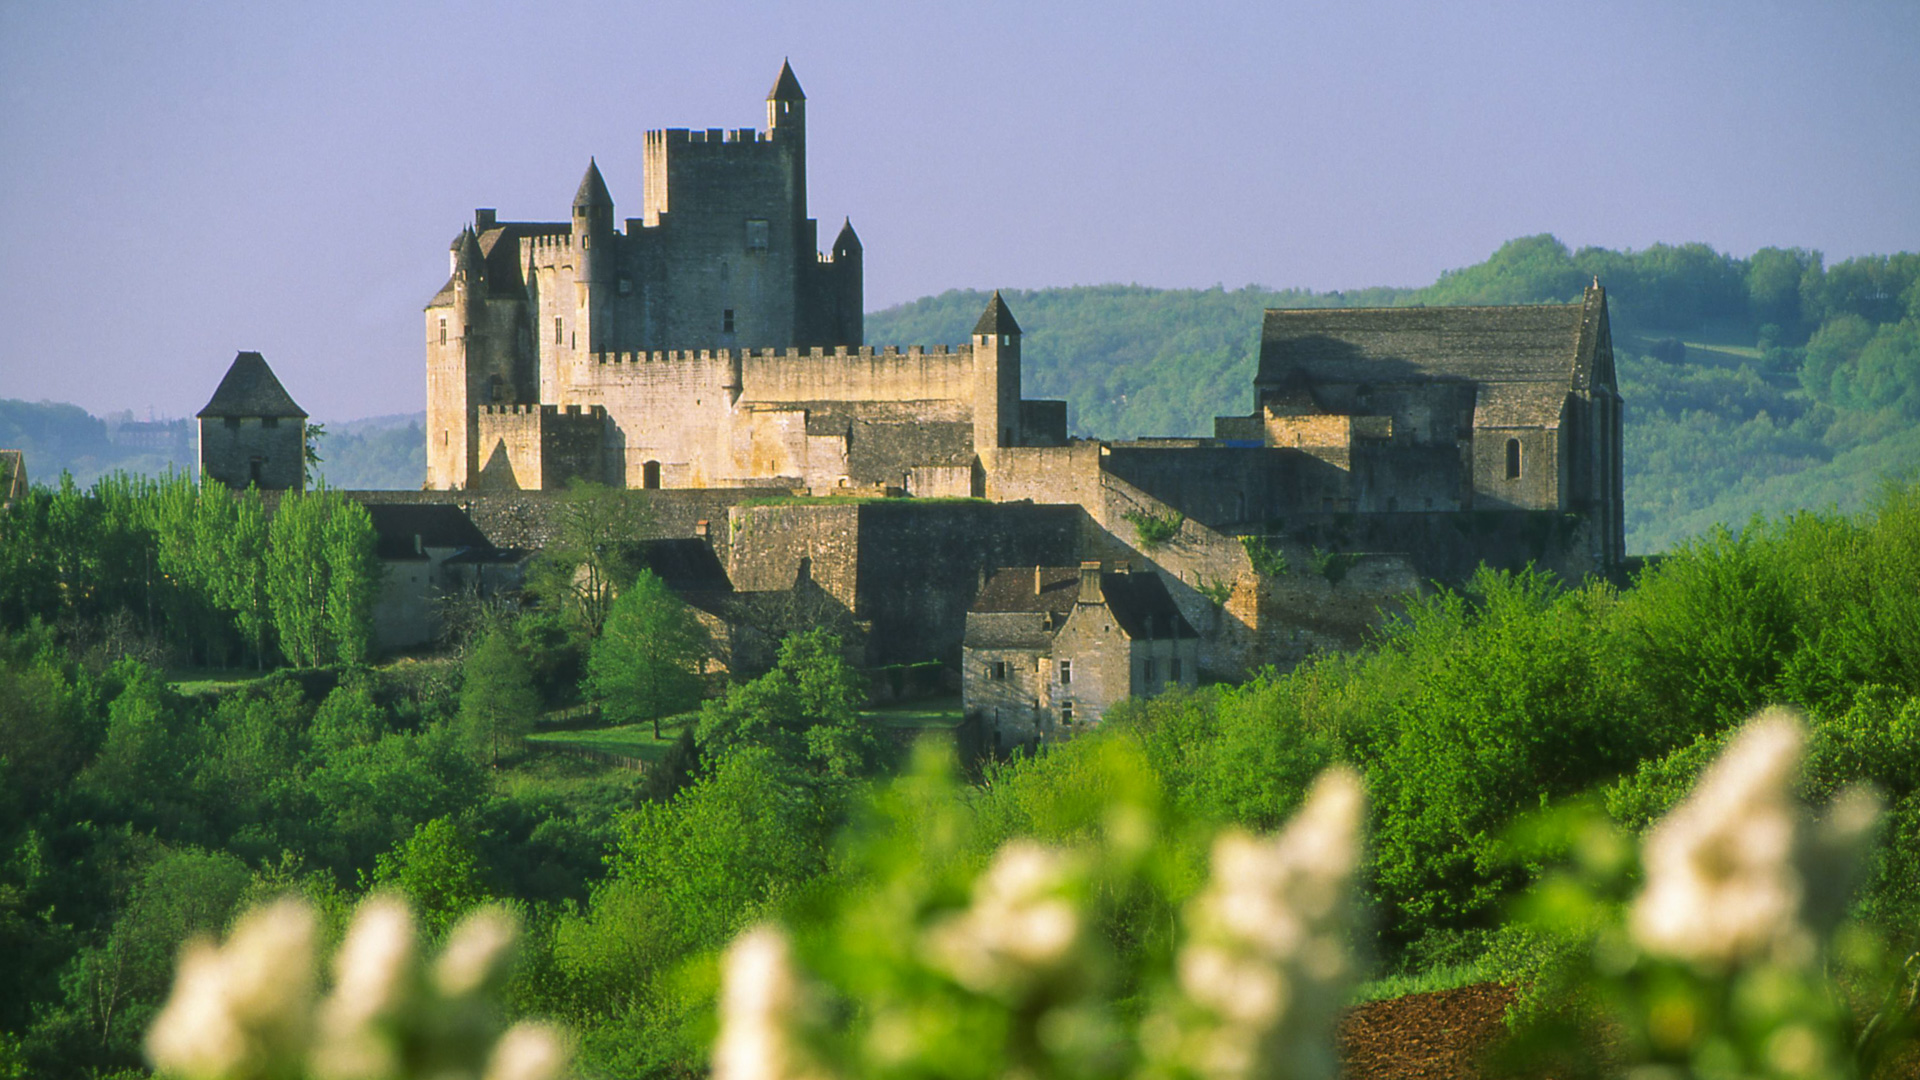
[555,242]
[864,352]
[709,139]
[556,412]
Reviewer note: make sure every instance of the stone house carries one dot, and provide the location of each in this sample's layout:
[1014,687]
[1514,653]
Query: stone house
[432,555]
[1049,649]
[251,432]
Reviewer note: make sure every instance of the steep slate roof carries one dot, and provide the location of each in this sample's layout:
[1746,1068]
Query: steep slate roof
[1525,359]
[786,87]
[593,189]
[996,319]
[1140,602]
[438,525]
[249,389]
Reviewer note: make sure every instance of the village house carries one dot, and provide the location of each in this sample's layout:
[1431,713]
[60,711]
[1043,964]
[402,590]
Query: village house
[1049,649]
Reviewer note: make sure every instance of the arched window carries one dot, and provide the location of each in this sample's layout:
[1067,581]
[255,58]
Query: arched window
[650,475]
[1513,459]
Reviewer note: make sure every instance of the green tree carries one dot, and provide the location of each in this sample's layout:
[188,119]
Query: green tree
[322,577]
[587,562]
[646,662]
[438,870]
[807,710]
[497,702]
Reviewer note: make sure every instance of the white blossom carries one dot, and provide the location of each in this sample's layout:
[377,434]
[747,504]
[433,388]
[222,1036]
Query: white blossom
[1021,925]
[1265,966]
[529,1052]
[1721,884]
[759,1001]
[476,952]
[373,976]
[241,1010]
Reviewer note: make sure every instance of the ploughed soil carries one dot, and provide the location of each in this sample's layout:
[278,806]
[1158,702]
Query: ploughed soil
[1438,1036]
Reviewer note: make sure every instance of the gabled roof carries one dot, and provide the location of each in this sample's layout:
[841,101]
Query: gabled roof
[593,189]
[1140,602]
[1014,590]
[1533,343]
[997,319]
[438,525]
[249,389]
[1523,360]
[786,87]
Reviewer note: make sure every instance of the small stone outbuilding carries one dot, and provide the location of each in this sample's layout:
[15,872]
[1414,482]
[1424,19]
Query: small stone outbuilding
[1049,649]
[251,432]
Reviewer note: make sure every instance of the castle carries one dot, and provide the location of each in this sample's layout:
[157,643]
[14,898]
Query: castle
[710,348]
[707,345]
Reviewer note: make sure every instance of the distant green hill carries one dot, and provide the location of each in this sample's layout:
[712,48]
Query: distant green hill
[1759,385]
[379,452]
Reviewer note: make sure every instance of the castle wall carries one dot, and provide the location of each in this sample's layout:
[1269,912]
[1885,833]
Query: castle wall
[862,374]
[242,450]
[1542,468]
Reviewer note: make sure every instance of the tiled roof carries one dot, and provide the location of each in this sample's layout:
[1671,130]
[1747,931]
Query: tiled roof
[1140,602]
[1028,630]
[249,389]
[1013,590]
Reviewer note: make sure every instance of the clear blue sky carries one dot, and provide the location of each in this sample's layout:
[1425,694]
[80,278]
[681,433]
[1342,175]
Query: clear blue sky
[182,180]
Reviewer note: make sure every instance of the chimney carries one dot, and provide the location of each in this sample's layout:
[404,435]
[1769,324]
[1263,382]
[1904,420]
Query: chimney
[1123,566]
[483,219]
[1039,580]
[701,528]
[419,547]
[1090,583]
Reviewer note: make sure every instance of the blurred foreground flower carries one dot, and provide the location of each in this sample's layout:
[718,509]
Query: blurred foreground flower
[1726,869]
[245,1011]
[1021,928]
[759,1007]
[1265,967]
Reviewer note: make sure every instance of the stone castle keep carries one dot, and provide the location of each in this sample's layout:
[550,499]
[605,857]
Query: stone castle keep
[707,345]
[709,349]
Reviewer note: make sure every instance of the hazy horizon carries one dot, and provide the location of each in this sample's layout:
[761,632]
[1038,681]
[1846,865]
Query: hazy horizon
[189,181]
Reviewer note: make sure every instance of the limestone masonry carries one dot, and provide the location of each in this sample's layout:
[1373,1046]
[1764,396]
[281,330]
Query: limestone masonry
[708,346]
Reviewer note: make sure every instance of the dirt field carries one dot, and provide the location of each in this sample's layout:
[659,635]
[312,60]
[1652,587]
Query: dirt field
[1437,1036]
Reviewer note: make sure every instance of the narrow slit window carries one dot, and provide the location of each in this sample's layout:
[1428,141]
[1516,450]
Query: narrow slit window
[559,333]
[726,321]
[1513,459]
[443,331]
[1066,673]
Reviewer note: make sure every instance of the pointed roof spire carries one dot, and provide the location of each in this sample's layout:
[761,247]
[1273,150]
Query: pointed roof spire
[466,249]
[996,319]
[848,240]
[593,190]
[249,389]
[786,87]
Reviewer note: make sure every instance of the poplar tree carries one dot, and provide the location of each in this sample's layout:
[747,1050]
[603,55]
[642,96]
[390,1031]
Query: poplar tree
[497,700]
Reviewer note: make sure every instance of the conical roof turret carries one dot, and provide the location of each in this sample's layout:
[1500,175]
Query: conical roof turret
[466,251]
[593,190]
[848,240]
[997,319]
[786,87]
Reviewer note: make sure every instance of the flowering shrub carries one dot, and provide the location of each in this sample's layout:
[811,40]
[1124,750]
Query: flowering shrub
[1732,956]
[246,1010]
